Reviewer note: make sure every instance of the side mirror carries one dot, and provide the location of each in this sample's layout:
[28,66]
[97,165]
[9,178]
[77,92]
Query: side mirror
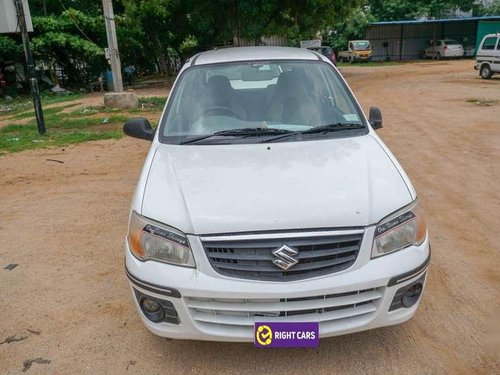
[139,127]
[375,118]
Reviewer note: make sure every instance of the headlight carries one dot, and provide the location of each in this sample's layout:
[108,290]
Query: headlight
[401,229]
[149,240]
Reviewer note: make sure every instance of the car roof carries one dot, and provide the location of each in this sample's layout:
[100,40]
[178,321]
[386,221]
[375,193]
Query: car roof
[252,53]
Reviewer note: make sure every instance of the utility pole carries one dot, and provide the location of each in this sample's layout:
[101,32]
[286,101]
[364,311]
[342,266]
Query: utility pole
[31,67]
[114,55]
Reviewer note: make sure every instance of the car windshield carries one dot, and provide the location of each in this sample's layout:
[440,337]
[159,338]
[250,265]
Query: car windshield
[361,45]
[271,97]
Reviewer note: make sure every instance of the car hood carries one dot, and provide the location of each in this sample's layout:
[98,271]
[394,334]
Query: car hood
[203,189]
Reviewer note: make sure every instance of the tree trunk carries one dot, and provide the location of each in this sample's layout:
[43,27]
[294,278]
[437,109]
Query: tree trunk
[234,23]
[162,59]
[53,73]
[181,56]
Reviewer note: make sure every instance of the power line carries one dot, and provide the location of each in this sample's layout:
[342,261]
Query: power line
[74,23]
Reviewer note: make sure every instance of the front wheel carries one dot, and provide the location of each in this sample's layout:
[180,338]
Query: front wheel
[486,72]
[438,56]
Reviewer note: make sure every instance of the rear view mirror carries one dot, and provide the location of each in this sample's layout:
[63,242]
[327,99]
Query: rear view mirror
[375,118]
[139,127]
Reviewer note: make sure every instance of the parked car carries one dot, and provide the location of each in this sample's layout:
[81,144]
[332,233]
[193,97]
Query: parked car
[488,56]
[326,51]
[469,51]
[357,50]
[267,196]
[443,48]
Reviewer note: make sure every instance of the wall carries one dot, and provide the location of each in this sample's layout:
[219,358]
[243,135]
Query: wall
[486,27]
[407,41]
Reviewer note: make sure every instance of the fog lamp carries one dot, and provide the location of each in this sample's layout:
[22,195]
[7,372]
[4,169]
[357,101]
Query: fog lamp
[152,309]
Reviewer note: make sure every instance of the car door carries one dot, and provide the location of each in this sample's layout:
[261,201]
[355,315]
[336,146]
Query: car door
[430,51]
[488,50]
[438,49]
[495,66]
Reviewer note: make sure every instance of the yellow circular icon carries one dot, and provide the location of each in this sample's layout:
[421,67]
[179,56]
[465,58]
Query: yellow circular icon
[264,335]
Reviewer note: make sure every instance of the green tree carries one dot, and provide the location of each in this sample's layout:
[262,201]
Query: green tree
[10,49]
[153,16]
[353,28]
[56,7]
[492,9]
[71,33]
[73,40]
[292,19]
[395,10]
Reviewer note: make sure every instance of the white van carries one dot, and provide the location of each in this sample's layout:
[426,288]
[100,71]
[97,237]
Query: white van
[488,56]
[267,197]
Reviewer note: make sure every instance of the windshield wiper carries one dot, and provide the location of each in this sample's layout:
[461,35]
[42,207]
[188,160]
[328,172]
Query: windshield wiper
[338,126]
[244,132]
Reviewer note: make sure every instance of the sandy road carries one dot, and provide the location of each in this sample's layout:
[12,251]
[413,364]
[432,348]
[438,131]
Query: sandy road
[65,223]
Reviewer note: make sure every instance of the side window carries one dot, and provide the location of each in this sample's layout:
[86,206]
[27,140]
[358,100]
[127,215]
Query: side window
[498,46]
[489,43]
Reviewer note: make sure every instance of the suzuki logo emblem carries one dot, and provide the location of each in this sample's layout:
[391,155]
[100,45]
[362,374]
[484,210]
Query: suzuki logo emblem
[285,257]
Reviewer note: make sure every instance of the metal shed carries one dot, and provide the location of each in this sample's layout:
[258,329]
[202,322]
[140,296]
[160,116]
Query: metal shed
[406,40]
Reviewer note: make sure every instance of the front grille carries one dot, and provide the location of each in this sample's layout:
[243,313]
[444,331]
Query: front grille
[253,259]
[324,309]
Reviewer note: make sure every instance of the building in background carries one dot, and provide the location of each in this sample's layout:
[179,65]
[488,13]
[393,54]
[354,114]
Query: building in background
[406,40]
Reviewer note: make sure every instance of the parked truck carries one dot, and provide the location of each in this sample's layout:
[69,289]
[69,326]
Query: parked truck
[358,50]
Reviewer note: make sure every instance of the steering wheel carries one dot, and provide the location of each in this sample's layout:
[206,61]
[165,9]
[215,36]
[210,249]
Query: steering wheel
[219,109]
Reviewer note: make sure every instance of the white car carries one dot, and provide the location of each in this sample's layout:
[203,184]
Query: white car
[270,200]
[444,48]
[488,56]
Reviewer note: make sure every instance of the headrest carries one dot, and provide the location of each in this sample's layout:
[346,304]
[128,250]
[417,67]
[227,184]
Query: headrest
[290,81]
[219,83]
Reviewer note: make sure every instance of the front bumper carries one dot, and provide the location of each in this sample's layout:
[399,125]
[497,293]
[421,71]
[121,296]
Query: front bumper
[362,57]
[214,307]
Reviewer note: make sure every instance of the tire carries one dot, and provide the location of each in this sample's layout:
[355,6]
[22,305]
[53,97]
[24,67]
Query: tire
[485,72]
[438,56]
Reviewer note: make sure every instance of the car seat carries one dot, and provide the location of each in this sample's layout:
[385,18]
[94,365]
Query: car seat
[291,103]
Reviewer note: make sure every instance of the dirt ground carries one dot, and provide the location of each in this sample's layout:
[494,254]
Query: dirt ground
[64,224]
